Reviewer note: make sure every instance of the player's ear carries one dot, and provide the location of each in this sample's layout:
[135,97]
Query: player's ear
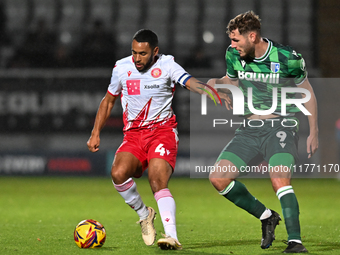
[155,50]
[252,36]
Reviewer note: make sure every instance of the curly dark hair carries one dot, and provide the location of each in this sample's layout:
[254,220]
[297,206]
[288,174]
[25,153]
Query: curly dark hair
[245,22]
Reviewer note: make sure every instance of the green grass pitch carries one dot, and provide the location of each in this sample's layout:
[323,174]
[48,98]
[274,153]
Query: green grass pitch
[38,216]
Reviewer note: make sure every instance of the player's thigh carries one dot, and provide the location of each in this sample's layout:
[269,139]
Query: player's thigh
[241,151]
[280,166]
[131,149]
[163,144]
[281,141]
[281,152]
[124,166]
[224,168]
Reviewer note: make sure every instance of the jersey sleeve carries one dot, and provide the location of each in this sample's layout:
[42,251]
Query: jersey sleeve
[297,68]
[230,59]
[177,73]
[115,87]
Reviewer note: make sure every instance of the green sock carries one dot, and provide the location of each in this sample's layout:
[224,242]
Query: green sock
[237,193]
[290,211]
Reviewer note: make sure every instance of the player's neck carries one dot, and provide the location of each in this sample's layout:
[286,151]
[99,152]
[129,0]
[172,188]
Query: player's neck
[155,59]
[261,48]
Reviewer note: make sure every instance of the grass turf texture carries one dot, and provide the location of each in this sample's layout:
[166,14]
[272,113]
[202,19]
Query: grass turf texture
[38,216]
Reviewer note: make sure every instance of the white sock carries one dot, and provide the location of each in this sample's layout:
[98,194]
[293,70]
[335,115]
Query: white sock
[128,190]
[295,240]
[266,214]
[167,210]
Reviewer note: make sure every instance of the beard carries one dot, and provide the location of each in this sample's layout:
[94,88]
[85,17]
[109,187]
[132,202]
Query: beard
[249,53]
[147,65]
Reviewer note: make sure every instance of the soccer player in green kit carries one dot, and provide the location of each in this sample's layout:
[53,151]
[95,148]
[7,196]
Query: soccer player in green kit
[263,65]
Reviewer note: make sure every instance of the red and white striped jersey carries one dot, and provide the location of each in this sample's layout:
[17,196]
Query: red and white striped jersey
[146,97]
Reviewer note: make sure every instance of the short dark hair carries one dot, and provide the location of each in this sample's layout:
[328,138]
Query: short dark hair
[146,35]
[245,22]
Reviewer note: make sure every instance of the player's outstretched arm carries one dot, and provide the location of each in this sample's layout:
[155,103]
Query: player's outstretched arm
[103,114]
[199,87]
[311,106]
[195,85]
[208,88]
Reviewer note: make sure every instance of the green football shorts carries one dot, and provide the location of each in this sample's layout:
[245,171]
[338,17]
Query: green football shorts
[260,140]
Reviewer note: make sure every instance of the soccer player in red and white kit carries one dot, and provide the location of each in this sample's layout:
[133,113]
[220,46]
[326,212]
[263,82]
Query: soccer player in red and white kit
[146,82]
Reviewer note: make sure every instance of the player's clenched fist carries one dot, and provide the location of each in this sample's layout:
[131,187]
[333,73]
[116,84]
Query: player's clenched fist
[93,143]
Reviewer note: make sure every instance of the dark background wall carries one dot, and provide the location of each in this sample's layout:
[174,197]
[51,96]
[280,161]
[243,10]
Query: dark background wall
[52,49]
[329,54]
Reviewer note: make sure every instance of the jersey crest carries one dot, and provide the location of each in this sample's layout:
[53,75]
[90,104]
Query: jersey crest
[274,67]
[156,72]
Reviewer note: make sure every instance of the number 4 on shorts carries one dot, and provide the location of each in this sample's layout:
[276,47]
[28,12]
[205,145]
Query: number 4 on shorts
[161,150]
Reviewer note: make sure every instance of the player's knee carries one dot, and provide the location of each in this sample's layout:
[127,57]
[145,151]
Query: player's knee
[118,175]
[279,183]
[222,174]
[214,181]
[281,165]
[219,183]
[155,187]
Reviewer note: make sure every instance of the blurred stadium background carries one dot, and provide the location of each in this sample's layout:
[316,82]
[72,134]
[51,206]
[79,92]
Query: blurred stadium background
[56,58]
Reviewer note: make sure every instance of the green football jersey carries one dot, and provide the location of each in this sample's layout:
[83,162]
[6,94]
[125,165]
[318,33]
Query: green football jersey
[279,67]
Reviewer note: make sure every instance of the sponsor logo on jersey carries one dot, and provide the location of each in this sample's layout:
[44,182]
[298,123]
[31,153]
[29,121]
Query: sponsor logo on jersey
[129,73]
[133,87]
[153,86]
[156,72]
[267,78]
[274,67]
